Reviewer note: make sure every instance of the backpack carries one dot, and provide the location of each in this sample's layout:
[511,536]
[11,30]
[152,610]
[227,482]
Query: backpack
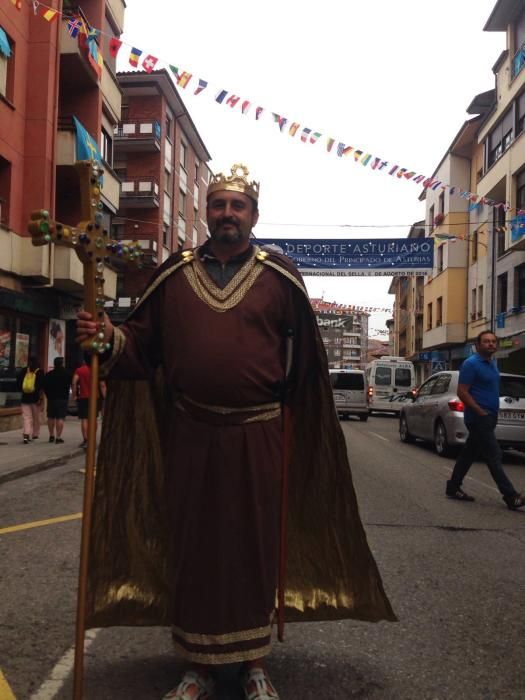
[28,385]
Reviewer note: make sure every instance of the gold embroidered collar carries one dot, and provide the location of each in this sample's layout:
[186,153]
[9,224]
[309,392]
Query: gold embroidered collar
[223,299]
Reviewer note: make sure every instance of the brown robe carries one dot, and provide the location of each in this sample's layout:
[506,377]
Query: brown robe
[187,495]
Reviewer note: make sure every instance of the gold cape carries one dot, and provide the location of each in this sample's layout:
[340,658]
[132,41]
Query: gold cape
[331,573]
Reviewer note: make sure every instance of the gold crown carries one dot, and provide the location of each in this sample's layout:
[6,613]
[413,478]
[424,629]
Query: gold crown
[236,182]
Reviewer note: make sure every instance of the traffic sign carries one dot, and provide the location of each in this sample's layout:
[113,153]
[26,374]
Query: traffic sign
[439,365]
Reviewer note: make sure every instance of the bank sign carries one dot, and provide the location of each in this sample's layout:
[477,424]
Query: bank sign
[357,257]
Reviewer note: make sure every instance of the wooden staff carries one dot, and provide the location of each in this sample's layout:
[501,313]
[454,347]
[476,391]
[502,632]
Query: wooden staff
[284,489]
[94,248]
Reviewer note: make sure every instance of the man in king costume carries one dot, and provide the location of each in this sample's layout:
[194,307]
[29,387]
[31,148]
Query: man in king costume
[188,487]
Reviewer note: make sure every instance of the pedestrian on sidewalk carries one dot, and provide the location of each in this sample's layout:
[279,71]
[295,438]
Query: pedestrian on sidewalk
[57,384]
[30,381]
[478,388]
[81,387]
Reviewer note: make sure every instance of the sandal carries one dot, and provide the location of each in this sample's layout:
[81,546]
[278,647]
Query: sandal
[192,687]
[257,686]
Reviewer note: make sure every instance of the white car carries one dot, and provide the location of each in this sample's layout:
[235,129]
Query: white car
[436,414]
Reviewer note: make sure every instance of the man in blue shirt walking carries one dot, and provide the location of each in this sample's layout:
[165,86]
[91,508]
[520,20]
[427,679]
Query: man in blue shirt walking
[478,388]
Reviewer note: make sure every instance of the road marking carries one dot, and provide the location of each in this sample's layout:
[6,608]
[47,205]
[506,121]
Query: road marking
[51,688]
[39,523]
[5,691]
[379,436]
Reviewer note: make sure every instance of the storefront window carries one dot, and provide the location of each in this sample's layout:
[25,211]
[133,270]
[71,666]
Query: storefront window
[19,338]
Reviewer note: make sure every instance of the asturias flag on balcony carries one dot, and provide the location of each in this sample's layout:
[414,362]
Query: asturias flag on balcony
[86,146]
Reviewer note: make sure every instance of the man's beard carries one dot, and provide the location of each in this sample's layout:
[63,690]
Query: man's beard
[232,236]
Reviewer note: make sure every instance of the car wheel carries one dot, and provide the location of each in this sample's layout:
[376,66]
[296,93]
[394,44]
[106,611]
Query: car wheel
[363,418]
[404,433]
[441,440]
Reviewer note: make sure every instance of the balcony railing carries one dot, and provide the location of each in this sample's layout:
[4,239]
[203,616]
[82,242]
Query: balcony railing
[138,129]
[140,188]
[518,61]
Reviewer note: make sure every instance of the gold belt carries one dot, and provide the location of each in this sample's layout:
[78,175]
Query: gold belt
[268,411]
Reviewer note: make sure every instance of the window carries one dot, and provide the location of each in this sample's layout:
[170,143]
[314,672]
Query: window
[169,127]
[7,65]
[166,235]
[429,316]
[520,189]
[473,304]
[427,387]
[480,301]
[520,108]
[106,147]
[439,311]
[167,181]
[403,377]
[5,191]
[183,154]
[197,166]
[441,384]
[180,241]
[475,243]
[500,137]
[439,262]
[431,214]
[519,45]
[383,376]
[441,207]
[195,216]
[182,203]
[519,286]
[502,293]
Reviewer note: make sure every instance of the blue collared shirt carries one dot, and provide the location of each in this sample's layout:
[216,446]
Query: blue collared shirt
[483,378]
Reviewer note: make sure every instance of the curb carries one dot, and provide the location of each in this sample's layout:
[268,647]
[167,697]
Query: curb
[40,467]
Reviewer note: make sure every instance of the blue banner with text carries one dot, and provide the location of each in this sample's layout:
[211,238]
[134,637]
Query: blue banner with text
[356,257]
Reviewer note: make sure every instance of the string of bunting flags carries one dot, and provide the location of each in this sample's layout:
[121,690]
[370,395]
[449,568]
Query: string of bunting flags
[341,309]
[78,27]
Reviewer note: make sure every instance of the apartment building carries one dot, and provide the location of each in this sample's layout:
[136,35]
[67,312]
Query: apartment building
[447,220]
[408,315]
[344,332]
[501,177]
[54,89]
[478,280]
[161,162]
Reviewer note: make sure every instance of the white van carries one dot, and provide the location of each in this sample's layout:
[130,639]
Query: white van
[350,392]
[387,377]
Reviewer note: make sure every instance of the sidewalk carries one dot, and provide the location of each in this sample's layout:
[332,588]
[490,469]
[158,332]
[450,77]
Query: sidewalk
[18,460]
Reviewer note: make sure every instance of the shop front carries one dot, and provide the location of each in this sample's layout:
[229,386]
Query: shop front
[25,330]
[511,353]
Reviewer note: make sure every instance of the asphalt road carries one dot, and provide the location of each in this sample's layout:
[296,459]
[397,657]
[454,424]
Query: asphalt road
[455,573]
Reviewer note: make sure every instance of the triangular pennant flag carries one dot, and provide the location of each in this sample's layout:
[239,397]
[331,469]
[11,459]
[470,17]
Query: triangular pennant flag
[245,106]
[149,63]
[232,100]
[220,96]
[258,112]
[114,46]
[134,57]
[203,84]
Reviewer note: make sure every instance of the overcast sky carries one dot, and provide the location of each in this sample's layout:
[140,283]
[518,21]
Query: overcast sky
[393,79]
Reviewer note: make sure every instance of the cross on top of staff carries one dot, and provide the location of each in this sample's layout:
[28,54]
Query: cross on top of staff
[91,242]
